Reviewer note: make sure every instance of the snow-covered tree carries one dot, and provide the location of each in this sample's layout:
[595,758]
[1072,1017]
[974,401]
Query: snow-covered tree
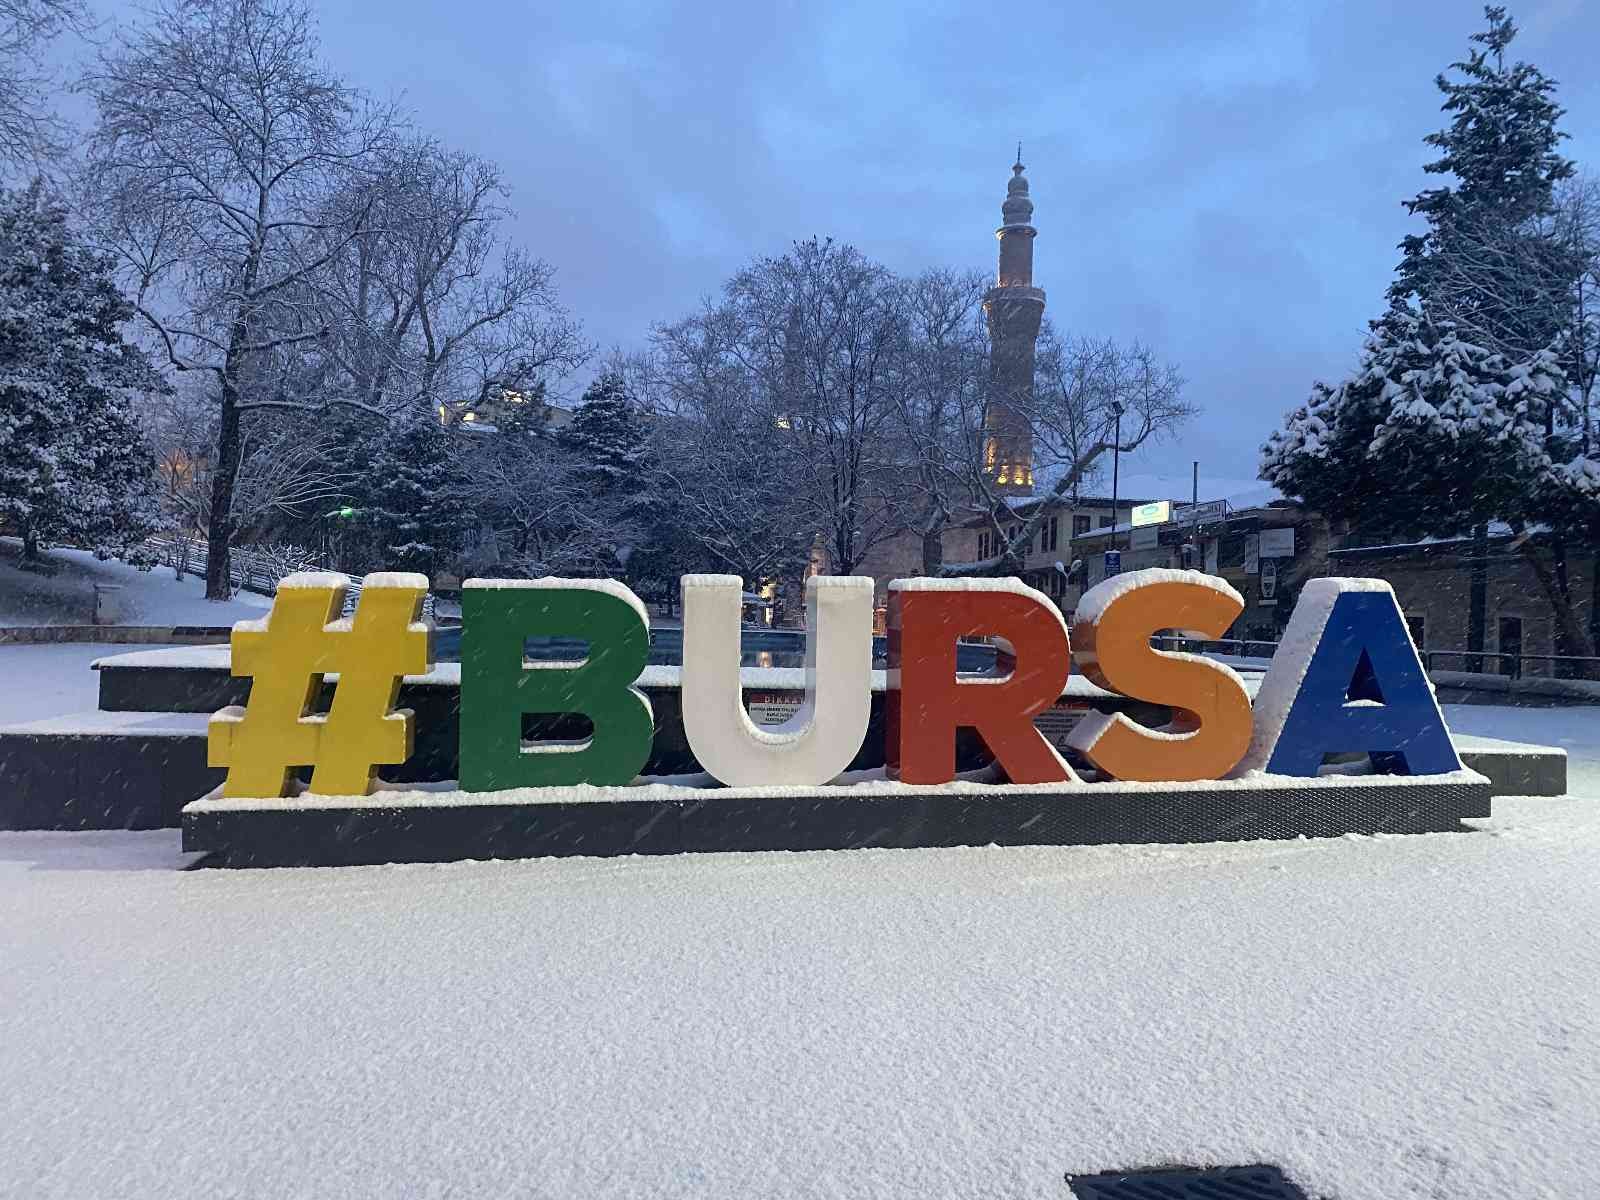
[606,443]
[1432,435]
[74,464]
[720,460]
[409,503]
[425,301]
[1484,262]
[1463,411]
[814,338]
[534,500]
[607,439]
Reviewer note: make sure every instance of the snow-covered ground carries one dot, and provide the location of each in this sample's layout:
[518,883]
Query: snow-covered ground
[49,680]
[151,597]
[1388,1018]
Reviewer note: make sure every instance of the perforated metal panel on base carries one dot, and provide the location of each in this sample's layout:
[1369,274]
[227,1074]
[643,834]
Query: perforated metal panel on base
[615,822]
[1218,1183]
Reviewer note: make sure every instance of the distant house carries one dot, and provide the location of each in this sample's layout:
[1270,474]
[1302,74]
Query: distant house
[488,414]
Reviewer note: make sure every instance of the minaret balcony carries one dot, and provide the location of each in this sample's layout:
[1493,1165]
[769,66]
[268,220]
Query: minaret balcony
[1014,292]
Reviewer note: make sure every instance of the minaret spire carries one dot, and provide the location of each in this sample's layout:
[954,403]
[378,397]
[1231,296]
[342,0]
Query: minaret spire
[1014,308]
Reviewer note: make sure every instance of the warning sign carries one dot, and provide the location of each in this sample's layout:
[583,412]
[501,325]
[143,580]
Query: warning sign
[1057,721]
[773,708]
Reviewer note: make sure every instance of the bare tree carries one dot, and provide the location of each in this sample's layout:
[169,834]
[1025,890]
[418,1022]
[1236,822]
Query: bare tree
[942,375]
[31,133]
[718,459]
[1090,397]
[1577,224]
[285,470]
[426,303]
[818,334]
[544,520]
[220,138]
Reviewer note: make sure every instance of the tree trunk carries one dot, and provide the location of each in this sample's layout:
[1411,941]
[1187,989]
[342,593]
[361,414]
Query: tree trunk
[1594,608]
[1478,596]
[932,550]
[220,536]
[30,543]
[1569,632]
[1562,642]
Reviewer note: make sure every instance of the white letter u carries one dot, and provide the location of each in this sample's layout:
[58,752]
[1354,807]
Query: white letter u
[815,744]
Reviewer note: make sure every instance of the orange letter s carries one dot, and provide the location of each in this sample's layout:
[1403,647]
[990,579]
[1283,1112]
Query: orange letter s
[1211,710]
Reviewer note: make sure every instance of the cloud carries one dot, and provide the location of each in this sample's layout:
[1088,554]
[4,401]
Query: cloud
[1222,181]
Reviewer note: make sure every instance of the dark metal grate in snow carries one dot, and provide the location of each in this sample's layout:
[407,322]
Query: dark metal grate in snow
[1187,1183]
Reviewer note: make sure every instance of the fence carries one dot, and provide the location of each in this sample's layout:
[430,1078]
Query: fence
[254,570]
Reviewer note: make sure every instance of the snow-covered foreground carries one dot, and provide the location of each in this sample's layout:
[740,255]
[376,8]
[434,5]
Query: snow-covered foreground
[1385,1017]
[150,597]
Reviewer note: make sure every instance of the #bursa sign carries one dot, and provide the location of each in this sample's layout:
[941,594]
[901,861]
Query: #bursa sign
[1346,678]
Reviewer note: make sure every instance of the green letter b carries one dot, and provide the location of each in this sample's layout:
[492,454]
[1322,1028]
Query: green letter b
[498,688]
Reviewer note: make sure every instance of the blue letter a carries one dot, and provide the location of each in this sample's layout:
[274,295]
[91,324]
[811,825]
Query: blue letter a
[1347,679]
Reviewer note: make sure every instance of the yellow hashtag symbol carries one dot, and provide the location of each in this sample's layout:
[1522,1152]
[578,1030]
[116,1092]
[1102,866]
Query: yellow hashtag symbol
[287,653]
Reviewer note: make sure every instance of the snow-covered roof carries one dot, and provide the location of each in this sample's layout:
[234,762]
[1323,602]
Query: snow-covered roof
[1497,530]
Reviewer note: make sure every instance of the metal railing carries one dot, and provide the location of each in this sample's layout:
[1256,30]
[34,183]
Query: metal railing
[1478,662]
[253,571]
[1498,662]
[249,570]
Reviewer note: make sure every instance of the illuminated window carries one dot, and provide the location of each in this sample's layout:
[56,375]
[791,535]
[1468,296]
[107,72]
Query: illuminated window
[469,416]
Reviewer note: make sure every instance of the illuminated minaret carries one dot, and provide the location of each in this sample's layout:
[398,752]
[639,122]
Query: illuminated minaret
[1014,308]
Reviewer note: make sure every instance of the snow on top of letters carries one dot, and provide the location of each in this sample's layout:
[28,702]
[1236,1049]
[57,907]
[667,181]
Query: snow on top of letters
[314,579]
[551,583]
[1014,586]
[1098,598]
[395,579]
[929,583]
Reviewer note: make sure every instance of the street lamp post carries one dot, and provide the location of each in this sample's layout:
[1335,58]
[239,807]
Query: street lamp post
[343,512]
[1116,459]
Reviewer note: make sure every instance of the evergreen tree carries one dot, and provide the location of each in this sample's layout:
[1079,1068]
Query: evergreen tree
[608,444]
[412,508]
[1432,435]
[606,436]
[1461,413]
[74,464]
[1485,261]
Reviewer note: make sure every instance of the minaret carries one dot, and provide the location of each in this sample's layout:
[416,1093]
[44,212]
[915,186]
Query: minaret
[1014,308]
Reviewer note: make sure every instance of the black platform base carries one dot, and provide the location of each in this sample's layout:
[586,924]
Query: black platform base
[413,827]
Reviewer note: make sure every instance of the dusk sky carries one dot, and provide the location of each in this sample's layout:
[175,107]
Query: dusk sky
[1222,181]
